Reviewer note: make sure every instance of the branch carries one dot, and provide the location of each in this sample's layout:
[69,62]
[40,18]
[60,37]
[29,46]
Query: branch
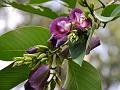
[103,5]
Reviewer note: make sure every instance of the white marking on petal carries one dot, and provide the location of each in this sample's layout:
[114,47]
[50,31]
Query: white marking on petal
[77,16]
[61,24]
[65,26]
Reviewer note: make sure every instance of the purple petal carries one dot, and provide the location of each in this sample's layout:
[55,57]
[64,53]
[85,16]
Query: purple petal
[60,27]
[87,23]
[57,43]
[27,86]
[52,40]
[95,41]
[79,20]
[72,14]
[61,41]
[38,78]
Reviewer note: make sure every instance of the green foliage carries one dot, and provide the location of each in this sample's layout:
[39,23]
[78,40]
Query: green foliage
[103,18]
[77,51]
[82,78]
[12,76]
[109,13]
[43,11]
[14,43]
[80,75]
[37,1]
[111,10]
[71,3]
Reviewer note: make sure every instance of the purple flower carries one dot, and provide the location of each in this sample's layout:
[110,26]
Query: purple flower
[79,20]
[94,42]
[59,28]
[38,78]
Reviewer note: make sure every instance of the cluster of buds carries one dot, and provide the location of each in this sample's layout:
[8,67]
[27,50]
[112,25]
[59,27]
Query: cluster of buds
[44,64]
[61,27]
[33,56]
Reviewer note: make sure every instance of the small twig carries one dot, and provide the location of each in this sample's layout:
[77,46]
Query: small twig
[103,5]
[112,2]
[109,3]
[98,8]
[91,10]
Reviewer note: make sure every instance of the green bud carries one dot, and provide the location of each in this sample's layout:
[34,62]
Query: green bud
[73,37]
[86,13]
[26,63]
[18,58]
[29,55]
[94,26]
[82,3]
[41,56]
[36,65]
[18,63]
[28,58]
[42,48]
[14,65]
[91,6]
[44,59]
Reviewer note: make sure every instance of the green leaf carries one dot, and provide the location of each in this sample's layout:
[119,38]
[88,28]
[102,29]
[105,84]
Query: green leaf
[109,13]
[82,78]
[14,43]
[37,1]
[71,3]
[111,10]
[77,51]
[12,76]
[43,11]
[103,18]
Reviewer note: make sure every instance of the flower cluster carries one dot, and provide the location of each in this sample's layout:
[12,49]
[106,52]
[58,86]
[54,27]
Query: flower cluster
[61,27]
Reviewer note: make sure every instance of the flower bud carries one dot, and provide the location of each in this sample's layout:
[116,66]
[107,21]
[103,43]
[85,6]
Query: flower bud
[73,37]
[82,3]
[41,56]
[94,42]
[44,59]
[31,50]
[41,48]
[29,55]
[28,58]
[38,78]
[26,63]
[18,58]
[18,63]
[91,6]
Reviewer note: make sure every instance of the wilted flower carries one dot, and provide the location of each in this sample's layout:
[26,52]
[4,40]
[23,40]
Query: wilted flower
[59,28]
[79,20]
[38,78]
